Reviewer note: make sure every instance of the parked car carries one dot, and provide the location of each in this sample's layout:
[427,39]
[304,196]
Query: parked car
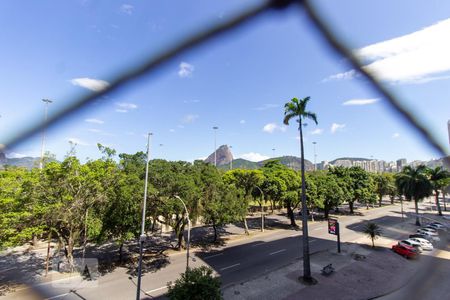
[411,243]
[430,229]
[406,251]
[423,236]
[437,226]
[425,244]
[433,235]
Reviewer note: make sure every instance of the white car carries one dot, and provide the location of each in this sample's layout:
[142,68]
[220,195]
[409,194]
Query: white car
[429,229]
[433,235]
[425,244]
[437,226]
[411,243]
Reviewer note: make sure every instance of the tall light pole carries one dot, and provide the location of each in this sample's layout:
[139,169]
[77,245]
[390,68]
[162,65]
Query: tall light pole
[144,207]
[262,209]
[231,161]
[315,156]
[273,152]
[189,232]
[41,162]
[215,146]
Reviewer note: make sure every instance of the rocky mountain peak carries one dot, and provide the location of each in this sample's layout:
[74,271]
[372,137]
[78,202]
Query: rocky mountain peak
[224,156]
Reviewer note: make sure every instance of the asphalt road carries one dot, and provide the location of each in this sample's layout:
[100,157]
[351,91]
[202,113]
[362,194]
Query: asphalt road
[239,261]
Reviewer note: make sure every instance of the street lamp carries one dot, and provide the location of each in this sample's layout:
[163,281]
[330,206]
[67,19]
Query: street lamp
[273,152]
[231,161]
[315,156]
[144,207]
[215,147]
[189,232]
[262,212]
[41,162]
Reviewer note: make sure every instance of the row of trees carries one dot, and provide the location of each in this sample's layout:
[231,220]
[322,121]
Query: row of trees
[100,200]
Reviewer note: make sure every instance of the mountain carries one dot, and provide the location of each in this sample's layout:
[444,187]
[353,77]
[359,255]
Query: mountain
[352,159]
[291,162]
[26,162]
[223,156]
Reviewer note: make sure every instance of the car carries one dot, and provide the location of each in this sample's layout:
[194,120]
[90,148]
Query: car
[425,244]
[406,251]
[411,243]
[437,226]
[427,228]
[422,236]
[433,235]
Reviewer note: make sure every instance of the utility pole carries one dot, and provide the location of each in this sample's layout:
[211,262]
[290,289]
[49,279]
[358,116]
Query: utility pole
[215,146]
[315,156]
[273,152]
[41,162]
[231,161]
[144,207]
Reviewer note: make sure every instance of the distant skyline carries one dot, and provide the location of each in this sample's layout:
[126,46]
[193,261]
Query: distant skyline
[59,50]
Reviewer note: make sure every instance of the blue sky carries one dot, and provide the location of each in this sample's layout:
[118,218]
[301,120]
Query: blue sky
[63,49]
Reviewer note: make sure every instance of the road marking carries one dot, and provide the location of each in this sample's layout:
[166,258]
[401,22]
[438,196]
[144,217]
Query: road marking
[211,256]
[296,234]
[235,265]
[158,289]
[4,270]
[312,241]
[279,251]
[57,296]
[258,244]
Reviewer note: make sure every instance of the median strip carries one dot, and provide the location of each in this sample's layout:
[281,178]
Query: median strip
[279,251]
[229,267]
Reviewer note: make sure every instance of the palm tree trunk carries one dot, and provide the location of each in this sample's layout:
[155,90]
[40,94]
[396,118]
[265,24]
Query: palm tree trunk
[437,203]
[306,262]
[443,198]
[416,206]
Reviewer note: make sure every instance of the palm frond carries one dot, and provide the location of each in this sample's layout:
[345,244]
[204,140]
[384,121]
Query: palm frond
[311,116]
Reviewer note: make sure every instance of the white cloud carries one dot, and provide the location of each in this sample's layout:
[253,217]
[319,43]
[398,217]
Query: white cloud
[252,156]
[191,101]
[418,57]
[360,101]
[95,121]
[171,130]
[94,130]
[242,122]
[77,141]
[185,70]
[336,127]
[272,127]
[342,76]
[267,106]
[396,135]
[316,131]
[188,119]
[16,155]
[95,85]
[127,9]
[124,107]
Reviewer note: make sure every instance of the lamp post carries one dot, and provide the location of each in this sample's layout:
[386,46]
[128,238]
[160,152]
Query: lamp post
[144,207]
[189,232]
[231,161]
[315,156]
[262,210]
[273,152]
[215,147]
[41,162]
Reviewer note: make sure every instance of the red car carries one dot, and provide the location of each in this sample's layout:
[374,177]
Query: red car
[406,251]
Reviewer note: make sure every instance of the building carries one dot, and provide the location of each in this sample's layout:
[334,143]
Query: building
[401,163]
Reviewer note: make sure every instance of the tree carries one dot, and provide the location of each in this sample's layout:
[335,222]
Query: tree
[196,284]
[414,184]
[329,192]
[438,178]
[382,186]
[373,231]
[297,109]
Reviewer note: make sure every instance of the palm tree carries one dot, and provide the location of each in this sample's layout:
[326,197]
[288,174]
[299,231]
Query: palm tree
[297,109]
[438,177]
[414,184]
[373,231]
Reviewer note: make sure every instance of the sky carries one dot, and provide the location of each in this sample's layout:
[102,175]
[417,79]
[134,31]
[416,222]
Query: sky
[61,50]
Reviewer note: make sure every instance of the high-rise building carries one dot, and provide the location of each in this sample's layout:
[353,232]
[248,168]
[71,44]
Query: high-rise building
[401,163]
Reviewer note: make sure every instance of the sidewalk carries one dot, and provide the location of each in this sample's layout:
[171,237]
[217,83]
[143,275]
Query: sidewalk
[361,272]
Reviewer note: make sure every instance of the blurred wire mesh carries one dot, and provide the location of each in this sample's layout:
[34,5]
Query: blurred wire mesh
[197,39]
